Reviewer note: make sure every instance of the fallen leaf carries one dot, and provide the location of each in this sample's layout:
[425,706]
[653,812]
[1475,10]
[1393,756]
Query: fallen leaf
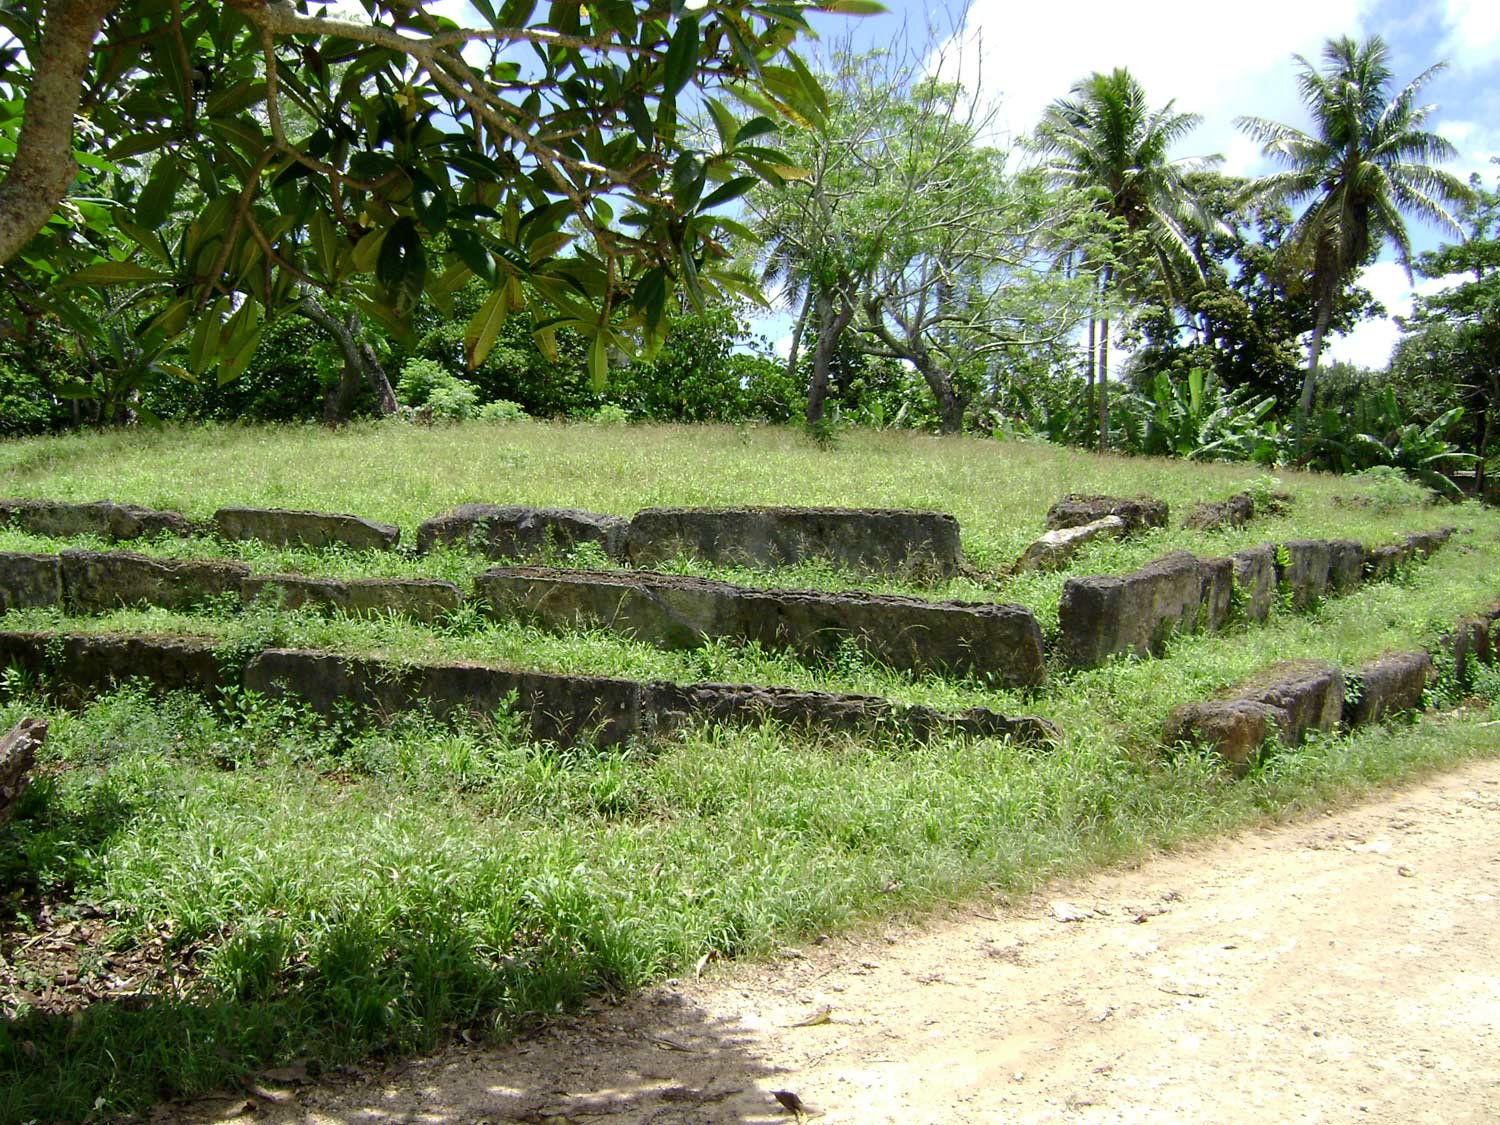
[818,1016]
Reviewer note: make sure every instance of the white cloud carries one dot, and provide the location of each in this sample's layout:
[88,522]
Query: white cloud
[1473,32]
[1213,59]
[1371,343]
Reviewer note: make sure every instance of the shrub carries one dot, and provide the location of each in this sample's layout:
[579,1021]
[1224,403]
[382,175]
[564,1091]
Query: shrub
[453,401]
[502,411]
[611,414]
[419,378]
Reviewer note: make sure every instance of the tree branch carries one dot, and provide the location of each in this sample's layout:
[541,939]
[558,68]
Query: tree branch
[43,166]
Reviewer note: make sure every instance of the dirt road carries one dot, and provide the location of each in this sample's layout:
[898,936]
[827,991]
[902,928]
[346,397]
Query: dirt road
[1345,968]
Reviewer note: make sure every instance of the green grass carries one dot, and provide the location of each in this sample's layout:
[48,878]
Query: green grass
[326,890]
[334,895]
[404,474]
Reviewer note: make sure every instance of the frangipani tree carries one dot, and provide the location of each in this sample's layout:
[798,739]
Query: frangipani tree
[270,150]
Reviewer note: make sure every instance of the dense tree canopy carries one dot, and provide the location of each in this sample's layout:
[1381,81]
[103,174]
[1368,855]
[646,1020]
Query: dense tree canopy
[241,158]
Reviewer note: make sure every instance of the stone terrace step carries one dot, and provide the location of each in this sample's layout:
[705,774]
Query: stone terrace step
[999,644]
[557,707]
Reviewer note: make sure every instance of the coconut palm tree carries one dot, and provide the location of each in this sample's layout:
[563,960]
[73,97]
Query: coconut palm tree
[1106,139]
[1367,160]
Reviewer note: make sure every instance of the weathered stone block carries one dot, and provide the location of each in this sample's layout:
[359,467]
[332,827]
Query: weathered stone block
[29,581]
[1287,701]
[80,666]
[1310,692]
[1234,728]
[514,531]
[1217,515]
[1425,544]
[1255,575]
[1216,577]
[863,540]
[1470,645]
[1134,613]
[282,527]
[1054,549]
[421,599]
[1346,565]
[1077,509]
[993,642]
[562,709]
[1387,686]
[1305,571]
[100,581]
[1383,563]
[673,705]
[57,519]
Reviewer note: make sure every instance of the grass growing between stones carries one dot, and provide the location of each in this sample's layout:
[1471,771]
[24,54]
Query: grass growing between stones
[247,886]
[404,474]
[308,891]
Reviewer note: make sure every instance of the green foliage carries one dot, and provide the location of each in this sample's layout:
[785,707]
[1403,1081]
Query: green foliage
[427,385]
[502,410]
[1196,418]
[610,414]
[375,162]
[1375,432]
[28,404]
[419,378]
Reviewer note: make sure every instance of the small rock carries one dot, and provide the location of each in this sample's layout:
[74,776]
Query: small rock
[1067,912]
[1405,871]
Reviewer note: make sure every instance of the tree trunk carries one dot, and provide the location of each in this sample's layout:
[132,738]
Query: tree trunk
[1104,281]
[1103,384]
[43,165]
[17,756]
[1088,393]
[831,324]
[793,352]
[360,364]
[1309,380]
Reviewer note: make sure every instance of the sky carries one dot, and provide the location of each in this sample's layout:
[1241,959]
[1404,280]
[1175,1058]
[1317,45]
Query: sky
[1221,61]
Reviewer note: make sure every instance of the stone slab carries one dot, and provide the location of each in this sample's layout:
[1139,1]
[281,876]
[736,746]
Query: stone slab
[1391,685]
[1255,578]
[80,666]
[1303,569]
[283,527]
[57,519]
[1216,582]
[1287,701]
[1385,562]
[1346,565]
[1076,509]
[1055,549]
[29,581]
[101,581]
[674,705]
[996,643]
[1425,544]
[862,540]
[1131,614]
[514,531]
[1235,729]
[1469,645]
[421,599]
[1219,515]
[561,709]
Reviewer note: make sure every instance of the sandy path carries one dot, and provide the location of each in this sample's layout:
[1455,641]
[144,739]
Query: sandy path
[1345,968]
